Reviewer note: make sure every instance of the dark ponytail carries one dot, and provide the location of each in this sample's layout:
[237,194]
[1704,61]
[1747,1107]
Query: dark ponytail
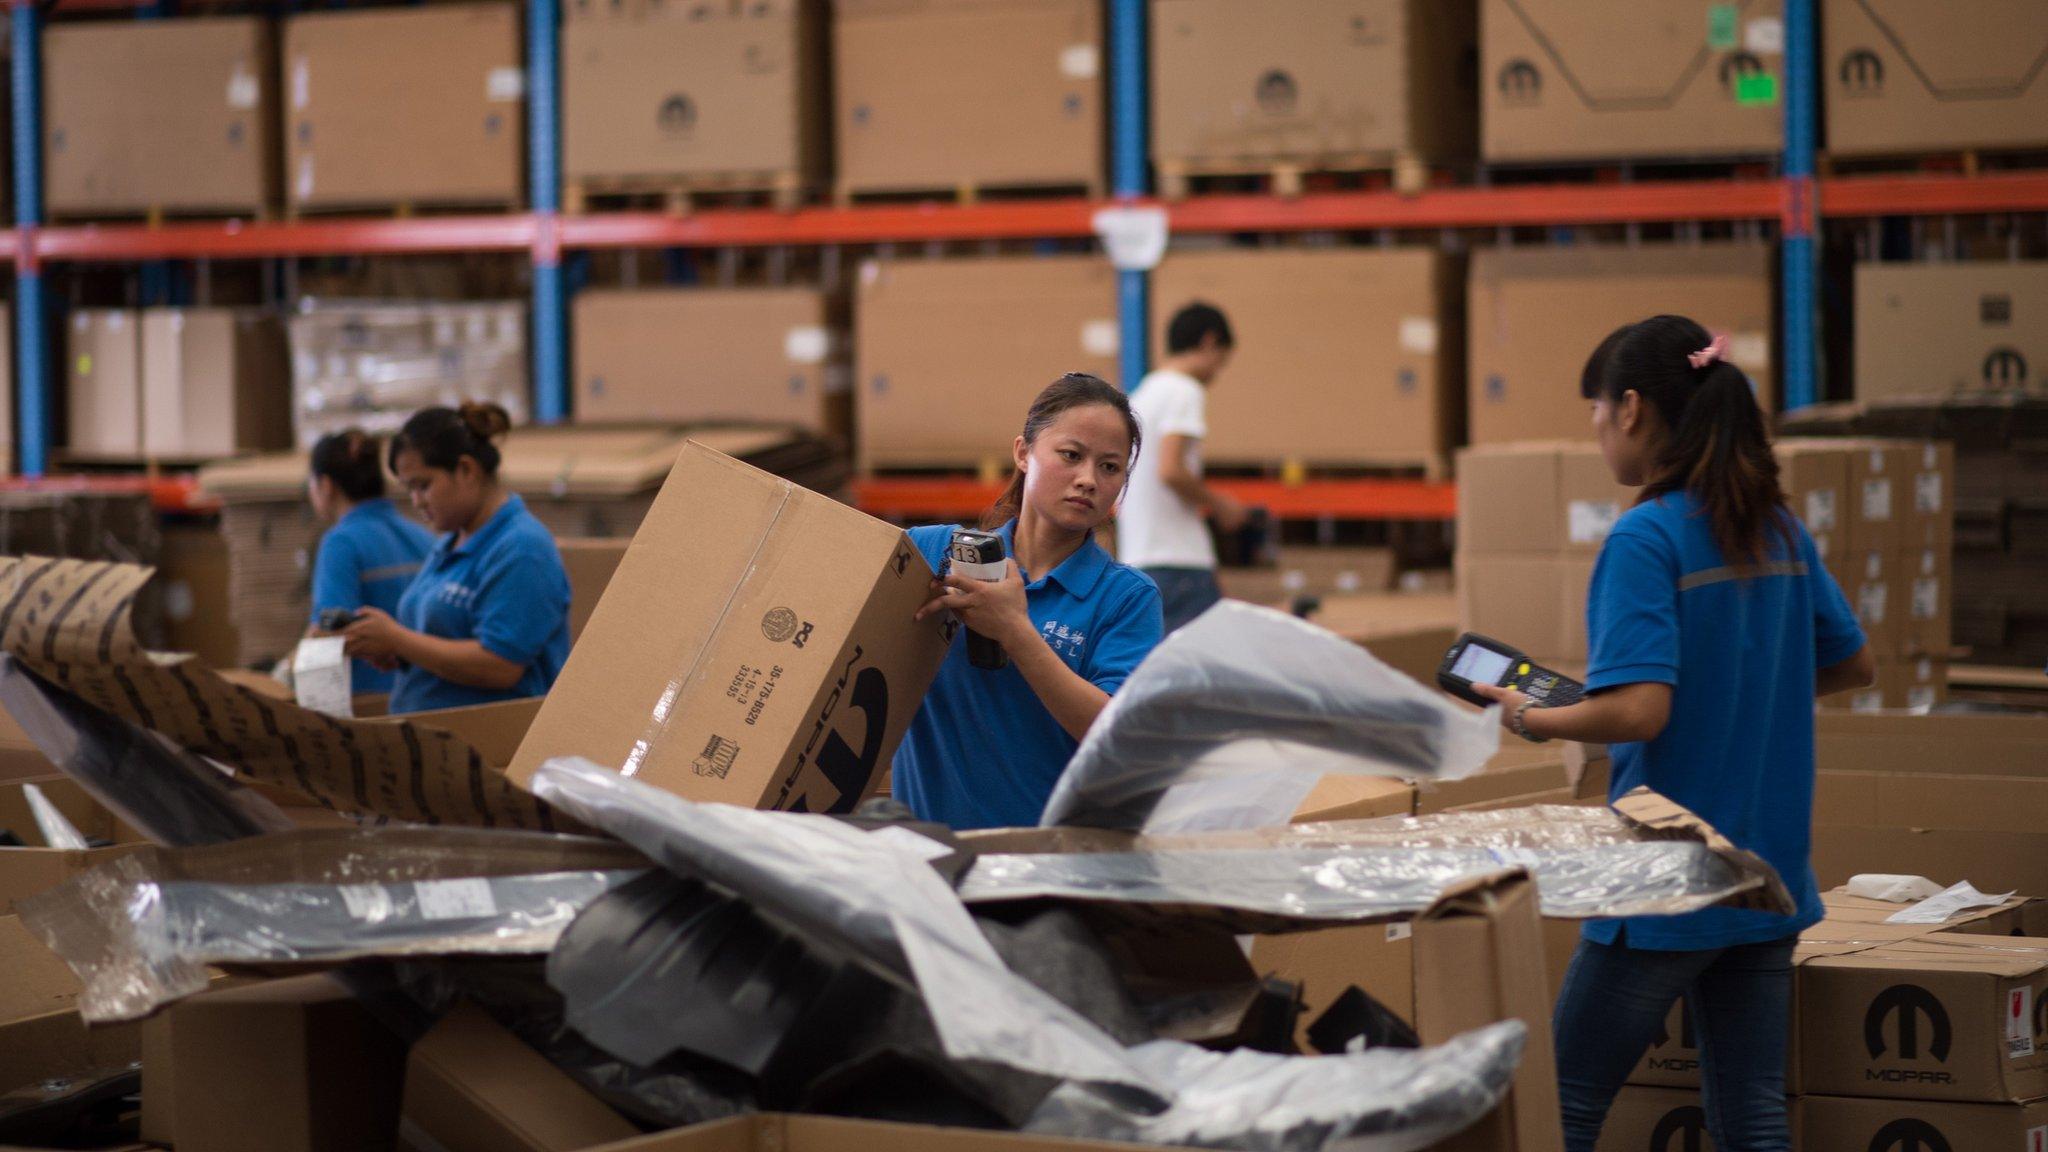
[349,459]
[1074,390]
[443,436]
[1716,447]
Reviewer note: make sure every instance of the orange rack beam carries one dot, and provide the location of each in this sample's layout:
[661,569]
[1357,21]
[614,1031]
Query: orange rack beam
[166,493]
[950,498]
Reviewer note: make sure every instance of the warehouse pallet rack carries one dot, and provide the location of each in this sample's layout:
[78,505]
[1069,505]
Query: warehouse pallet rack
[1795,200]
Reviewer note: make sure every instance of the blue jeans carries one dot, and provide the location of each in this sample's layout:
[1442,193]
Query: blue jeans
[1616,999]
[1185,593]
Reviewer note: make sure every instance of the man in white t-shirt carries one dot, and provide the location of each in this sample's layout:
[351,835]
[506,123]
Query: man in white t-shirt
[1161,527]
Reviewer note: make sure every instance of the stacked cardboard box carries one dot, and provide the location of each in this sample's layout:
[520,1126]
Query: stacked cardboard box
[372,365]
[1337,84]
[1941,330]
[1594,79]
[951,352]
[1299,571]
[1344,356]
[1531,520]
[1903,77]
[918,83]
[708,95]
[1536,314]
[214,382]
[148,116]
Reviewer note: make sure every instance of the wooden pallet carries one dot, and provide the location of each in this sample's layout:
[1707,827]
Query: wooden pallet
[402,210]
[1626,171]
[157,217]
[785,191]
[967,192]
[1966,162]
[1403,172]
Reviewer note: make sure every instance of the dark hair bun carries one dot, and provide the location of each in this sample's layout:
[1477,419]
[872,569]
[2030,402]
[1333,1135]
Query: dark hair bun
[486,421]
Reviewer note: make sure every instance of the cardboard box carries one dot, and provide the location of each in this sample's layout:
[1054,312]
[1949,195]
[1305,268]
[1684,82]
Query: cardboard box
[1536,314]
[1903,77]
[1024,319]
[1815,476]
[1323,572]
[1908,800]
[1877,593]
[1847,1124]
[148,116]
[1410,631]
[1537,496]
[294,1065]
[1606,79]
[1903,683]
[1882,474]
[590,564]
[1233,85]
[1658,1119]
[1958,744]
[1936,330]
[495,730]
[1929,579]
[754,647]
[917,84]
[471,1086]
[41,1034]
[1994,861]
[1344,356]
[404,106]
[215,381]
[20,759]
[104,384]
[1519,772]
[699,94]
[1536,603]
[192,570]
[1930,511]
[1948,1016]
[1345,797]
[698,355]
[36,867]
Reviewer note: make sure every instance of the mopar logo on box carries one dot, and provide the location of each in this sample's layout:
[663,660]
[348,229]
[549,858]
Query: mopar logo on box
[1862,73]
[1907,1022]
[1520,82]
[1909,1136]
[1681,1130]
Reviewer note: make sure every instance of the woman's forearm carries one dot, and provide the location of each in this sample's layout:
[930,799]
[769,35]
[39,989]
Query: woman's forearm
[1628,714]
[465,662]
[1071,699]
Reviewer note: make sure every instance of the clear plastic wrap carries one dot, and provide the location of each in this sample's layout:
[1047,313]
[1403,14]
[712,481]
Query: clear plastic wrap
[1380,1100]
[1240,711]
[358,364]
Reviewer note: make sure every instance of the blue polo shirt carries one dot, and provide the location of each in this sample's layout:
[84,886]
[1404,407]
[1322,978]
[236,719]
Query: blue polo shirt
[368,559]
[1740,655]
[504,587]
[983,751]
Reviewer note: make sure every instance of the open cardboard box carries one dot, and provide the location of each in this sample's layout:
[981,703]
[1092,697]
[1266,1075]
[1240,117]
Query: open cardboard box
[41,1034]
[36,867]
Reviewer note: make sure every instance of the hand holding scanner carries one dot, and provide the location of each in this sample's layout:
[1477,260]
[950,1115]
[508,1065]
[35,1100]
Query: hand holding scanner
[1475,659]
[980,556]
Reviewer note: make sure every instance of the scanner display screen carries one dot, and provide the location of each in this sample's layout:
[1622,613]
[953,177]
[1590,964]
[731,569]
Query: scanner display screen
[1480,665]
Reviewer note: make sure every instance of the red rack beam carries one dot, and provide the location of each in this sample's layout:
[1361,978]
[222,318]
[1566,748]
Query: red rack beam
[1854,196]
[899,223]
[1483,207]
[236,239]
[166,493]
[943,498]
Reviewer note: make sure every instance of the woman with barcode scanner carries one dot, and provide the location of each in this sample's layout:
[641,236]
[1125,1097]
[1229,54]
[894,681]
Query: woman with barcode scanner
[1052,625]
[1712,625]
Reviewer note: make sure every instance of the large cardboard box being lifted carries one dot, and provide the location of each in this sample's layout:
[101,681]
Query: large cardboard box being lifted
[1536,314]
[160,115]
[951,352]
[764,355]
[693,95]
[755,647]
[1937,330]
[1237,84]
[404,106]
[1594,79]
[1344,357]
[931,95]
[1905,76]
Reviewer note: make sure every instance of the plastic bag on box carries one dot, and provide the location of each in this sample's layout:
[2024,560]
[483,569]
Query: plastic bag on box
[1230,720]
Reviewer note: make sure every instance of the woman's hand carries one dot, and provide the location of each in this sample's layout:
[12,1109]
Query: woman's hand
[996,609]
[374,636]
[1509,700]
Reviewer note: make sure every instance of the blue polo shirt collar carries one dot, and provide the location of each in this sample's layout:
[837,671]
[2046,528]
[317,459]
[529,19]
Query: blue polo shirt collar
[494,527]
[1077,574]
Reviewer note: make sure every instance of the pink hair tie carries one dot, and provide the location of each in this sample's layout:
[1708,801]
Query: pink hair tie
[1715,350]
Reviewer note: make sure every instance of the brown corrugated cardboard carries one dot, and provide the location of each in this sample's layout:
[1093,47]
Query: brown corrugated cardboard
[1361,573]
[1881,478]
[215,381]
[471,1086]
[494,730]
[1410,631]
[1377,958]
[37,867]
[1815,476]
[1930,509]
[694,94]
[1022,321]
[1848,1124]
[762,355]
[1520,771]
[1928,575]
[1656,1119]
[754,647]
[1536,314]
[1343,797]
[1536,603]
[1908,800]
[1537,496]
[1947,1016]
[590,564]
[291,1065]
[1915,683]
[1994,861]
[1932,330]
[1904,77]
[1234,83]
[40,1031]
[1871,580]
[192,570]
[1967,744]
[1590,79]
[105,382]
[20,759]
[160,115]
[918,82]
[404,106]
[1343,356]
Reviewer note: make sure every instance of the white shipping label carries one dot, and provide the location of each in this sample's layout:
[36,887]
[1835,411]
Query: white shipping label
[1873,565]
[455,899]
[1871,701]
[806,344]
[320,676]
[116,321]
[2037,1139]
[504,85]
[1820,510]
[302,186]
[1080,61]
[1870,600]
[1134,237]
[1400,930]
[179,602]
[370,903]
[1764,36]
[302,84]
[1418,335]
[1927,492]
[1926,598]
[1589,521]
[1750,351]
[1920,698]
[243,89]
[1100,338]
[1877,500]
[2019,1023]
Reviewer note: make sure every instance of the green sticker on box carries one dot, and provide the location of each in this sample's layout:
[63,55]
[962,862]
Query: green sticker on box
[1752,90]
[1721,27]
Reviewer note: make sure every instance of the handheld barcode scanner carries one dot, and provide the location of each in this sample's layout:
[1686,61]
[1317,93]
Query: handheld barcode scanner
[1475,659]
[980,556]
[335,619]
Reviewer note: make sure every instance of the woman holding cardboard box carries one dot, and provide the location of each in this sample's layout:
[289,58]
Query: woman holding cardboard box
[488,617]
[989,742]
[1713,625]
